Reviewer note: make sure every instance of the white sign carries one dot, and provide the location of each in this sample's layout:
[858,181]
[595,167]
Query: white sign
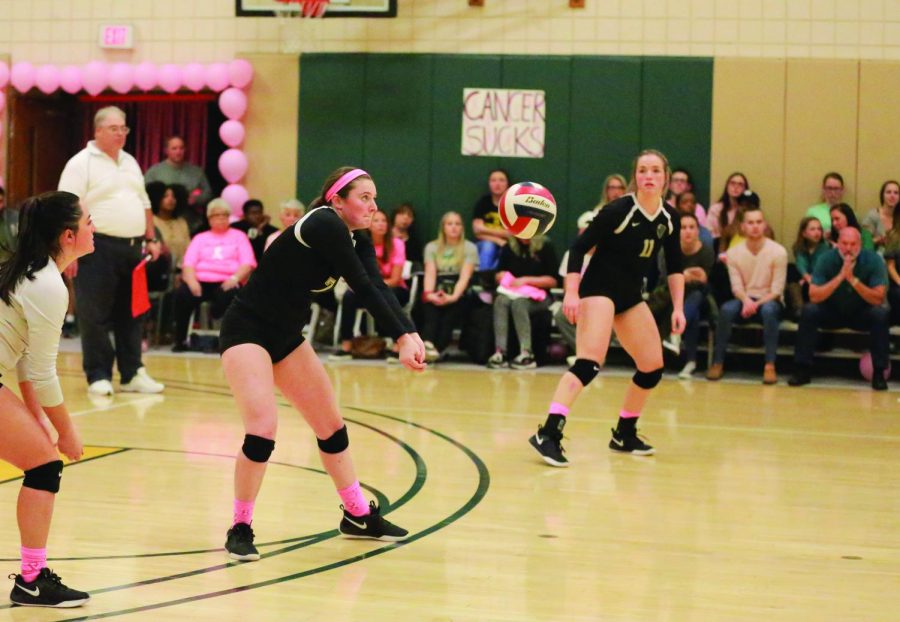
[503,122]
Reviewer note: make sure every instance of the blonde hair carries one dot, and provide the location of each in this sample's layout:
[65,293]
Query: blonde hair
[632,185]
[533,247]
[603,194]
[217,204]
[441,241]
[294,204]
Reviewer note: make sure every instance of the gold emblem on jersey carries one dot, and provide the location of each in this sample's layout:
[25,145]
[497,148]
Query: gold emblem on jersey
[328,285]
[660,231]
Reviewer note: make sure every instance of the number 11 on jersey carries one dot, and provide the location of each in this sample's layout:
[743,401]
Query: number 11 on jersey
[648,248]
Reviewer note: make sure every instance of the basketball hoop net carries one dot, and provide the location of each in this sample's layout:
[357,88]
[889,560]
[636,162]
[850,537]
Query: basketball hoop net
[296,36]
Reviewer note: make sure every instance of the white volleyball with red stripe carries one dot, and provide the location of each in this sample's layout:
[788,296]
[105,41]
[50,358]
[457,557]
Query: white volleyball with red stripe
[527,209]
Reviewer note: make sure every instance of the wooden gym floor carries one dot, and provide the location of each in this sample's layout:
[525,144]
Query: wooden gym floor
[762,503]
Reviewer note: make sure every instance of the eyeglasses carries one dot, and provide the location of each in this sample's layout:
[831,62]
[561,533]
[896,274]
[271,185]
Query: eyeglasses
[118,129]
[615,187]
[217,214]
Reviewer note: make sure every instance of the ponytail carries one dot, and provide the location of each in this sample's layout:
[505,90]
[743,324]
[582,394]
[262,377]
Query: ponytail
[42,219]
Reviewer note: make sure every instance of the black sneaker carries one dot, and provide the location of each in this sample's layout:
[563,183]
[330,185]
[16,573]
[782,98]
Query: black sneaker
[550,447]
[239,543]
[878,381]
[47,590]
[630,444]
[372,526]
[800,378]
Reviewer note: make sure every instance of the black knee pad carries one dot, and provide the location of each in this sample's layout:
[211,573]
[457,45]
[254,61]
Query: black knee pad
[44,477]
[336,443]
[257,448]
[647,379]
[585,370]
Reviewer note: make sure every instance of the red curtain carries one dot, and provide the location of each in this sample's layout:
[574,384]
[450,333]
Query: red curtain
[151,122]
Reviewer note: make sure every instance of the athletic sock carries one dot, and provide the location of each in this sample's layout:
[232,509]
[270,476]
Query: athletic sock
[353,499]
[32,562]
[627,422]
[555,424]
[243,512]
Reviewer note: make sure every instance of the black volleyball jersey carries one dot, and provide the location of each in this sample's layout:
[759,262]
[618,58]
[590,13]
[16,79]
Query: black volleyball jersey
[309,259]
[627,240]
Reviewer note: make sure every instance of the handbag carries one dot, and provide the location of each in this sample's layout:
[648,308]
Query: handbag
[366,347]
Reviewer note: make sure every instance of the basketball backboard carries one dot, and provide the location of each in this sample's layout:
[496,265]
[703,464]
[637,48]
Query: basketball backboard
[336,8]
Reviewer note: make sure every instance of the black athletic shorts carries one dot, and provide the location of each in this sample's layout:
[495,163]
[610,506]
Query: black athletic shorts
[241,325]
[623,299]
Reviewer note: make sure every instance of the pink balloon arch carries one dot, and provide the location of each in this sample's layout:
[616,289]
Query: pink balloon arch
[229,79]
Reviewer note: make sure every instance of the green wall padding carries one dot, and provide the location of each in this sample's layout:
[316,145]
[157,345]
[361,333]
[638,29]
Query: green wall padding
[400,117]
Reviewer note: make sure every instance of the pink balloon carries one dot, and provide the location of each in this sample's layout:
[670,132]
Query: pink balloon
[236,195]
[232,133]
[233,103]
[240,72]
[170,78]
[47,78]
[3,104]
[95,77]
[70,79]
[194,75]
[217,76]
[867,369]
[233,165]
[4,74]
[145,76]
[22,77]
[121,77]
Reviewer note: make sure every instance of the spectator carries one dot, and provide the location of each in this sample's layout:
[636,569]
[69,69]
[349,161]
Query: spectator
[732,234]
[525,271]
[848,289]
[176,170]
[832,194]
[686,204]
[681,183]
[880,220]
[892,257]
[292,210]
[697,260]
[390,254]
[614,187]
[486,223]
[723,212]
[757,268]
[842,216]
[450,261]
[169,220]
[9,227]
[403,226]
[255,224]
[215,264]
[111,188]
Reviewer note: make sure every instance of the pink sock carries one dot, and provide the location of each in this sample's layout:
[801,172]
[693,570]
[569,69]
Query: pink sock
[559,409]
[354,501]
[32,562]
[243,512]
[624,414]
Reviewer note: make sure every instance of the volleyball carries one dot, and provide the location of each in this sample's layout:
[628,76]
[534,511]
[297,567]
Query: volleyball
[527,209]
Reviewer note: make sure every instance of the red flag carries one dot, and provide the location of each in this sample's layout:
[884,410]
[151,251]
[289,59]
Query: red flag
[140,299]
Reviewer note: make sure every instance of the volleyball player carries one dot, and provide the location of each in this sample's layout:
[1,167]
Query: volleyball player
[54,231]
[262,348]
[628,234]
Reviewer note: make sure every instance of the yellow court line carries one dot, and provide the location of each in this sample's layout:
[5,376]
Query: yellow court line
[8,471]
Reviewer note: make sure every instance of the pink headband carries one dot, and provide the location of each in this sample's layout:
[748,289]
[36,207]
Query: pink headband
[345,179]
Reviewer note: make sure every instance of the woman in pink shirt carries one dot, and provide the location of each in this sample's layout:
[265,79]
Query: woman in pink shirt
[215,264]
[390,253]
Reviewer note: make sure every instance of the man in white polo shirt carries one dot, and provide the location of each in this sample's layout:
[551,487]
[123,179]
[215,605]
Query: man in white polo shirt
[109,183]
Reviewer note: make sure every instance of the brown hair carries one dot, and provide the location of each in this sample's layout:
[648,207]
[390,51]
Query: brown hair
[632,186]
[329,182]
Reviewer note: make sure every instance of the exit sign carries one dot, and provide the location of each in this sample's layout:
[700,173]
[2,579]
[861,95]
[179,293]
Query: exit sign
[117,36]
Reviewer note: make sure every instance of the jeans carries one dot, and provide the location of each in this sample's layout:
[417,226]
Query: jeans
[488,254]
[186,303]
[693,305]
[103,301]
[522,310]
[730,312]
[894,302]
[440,322]
[873,320]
